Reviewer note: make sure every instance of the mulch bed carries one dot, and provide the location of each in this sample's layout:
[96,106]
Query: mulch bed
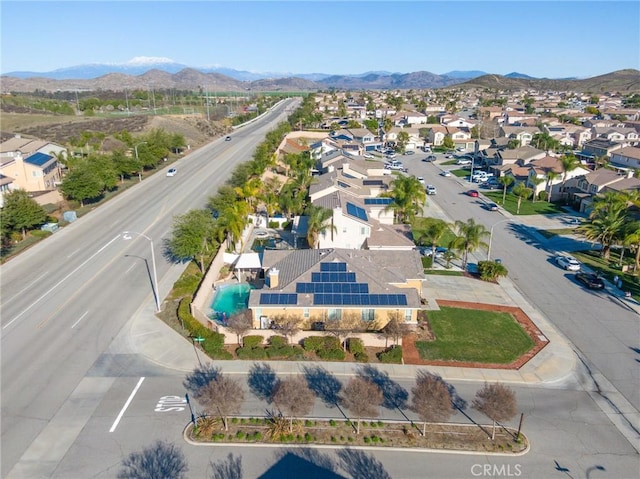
[411,355]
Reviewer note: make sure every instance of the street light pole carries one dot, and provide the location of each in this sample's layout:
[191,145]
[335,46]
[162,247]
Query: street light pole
[138,158]
[126,235]
[491,236]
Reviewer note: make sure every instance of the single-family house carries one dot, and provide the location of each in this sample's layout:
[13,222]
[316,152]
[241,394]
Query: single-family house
[626,158]
[31,164]
[539,179]
[325,285]
[586,187]
[523,134]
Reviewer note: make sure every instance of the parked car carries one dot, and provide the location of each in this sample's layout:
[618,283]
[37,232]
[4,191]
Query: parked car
[410,152]
[368,155]
[445,173]
[491,206]
[473,193]
[463,162]
[431,190]
[590,280]
[440,251]
[171,172]
[421,180]
[228,138]
[429,158]
[567,262]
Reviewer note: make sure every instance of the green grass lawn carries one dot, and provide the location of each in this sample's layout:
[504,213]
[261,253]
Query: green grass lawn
[444,272]
[461,173]
[472,335]
[556,232]
[526,207]
[421,223]
[449,162]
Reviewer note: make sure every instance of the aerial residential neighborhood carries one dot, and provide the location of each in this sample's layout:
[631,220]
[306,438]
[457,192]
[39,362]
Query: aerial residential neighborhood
[353,240]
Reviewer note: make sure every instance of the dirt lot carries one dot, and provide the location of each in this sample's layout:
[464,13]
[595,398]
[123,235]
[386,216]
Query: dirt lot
[60,128]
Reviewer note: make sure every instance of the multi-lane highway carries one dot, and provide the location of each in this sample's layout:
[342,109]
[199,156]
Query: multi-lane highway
[65,299]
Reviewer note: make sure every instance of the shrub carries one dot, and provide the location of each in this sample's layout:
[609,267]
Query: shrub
[427,262]
[331,342]
[361,357]
[307,437]
[281,352]
[391,355]
[331,354]
[491,270]
[278,341]
[251,353]
[355,345]
[312,343]
[367,440]
[332,422]
[40,233]
[252,341]
[239,435]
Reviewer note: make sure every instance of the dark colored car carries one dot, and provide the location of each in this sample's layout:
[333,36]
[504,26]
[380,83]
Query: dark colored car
[473,193]
[590,280]
[429,158]
[491,206]
[227,138]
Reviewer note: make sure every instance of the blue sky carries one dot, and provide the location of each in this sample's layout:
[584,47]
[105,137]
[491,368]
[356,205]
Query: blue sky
[552,39]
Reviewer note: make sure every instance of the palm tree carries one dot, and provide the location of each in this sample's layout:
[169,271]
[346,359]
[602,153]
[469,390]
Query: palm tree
[469,238]
[318,223]
[606,221]
[632,240]
[505,181]
[408,198]
[550,176]
[569,163]
[234,219]
[434,233]
[522,192]
[535,181]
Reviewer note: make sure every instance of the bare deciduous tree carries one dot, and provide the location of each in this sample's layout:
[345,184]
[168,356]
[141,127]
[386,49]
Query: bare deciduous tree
[199,378]
[162,460]
[497,402]
[289,325]
[229,468]
[362,398]
[222,396]
[293,396]
[431,399]
[343,327]
[240,323]
[394,329]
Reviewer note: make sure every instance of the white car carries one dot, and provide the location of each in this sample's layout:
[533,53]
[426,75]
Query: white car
[567,262]
[171,172]
[445,173]
[368,155]
[421,180]
[463,161]
[431,190]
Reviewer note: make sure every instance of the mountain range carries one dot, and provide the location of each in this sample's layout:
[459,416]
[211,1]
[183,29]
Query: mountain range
[155,73]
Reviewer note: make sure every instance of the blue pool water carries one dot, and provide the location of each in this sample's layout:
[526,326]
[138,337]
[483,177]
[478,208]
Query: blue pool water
[230,299]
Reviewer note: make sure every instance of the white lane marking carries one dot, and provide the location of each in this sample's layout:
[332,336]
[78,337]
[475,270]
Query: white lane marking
[59,283]
[130,268]
[19,293]
[73,253]
[79,319]
[126,405]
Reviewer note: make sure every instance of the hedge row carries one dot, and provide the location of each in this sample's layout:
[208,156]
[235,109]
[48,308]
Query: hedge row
[391,355]
[213,343]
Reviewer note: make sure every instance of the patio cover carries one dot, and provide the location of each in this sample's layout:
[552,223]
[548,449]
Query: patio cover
[248,261]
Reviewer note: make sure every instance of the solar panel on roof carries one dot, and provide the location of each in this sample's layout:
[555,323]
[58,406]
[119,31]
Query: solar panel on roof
[378,201]
[333,266]
[356,211]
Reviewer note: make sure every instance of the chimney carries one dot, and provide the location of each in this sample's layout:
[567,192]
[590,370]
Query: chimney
[273,278]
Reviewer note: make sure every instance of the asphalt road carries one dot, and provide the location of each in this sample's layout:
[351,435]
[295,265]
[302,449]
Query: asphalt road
[605,333]
[563,425]
[65,299]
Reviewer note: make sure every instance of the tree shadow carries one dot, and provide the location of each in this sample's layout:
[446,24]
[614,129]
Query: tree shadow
[323,384]
[304,462]
[393,395]
[162,460]
[262,380]
[229,468]
[360,465]
[200,377]
[636,350]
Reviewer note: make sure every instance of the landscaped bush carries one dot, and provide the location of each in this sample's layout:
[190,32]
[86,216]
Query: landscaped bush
[313,343]
[213,343]
[252,341]
[361,357]
[278,341]
[391,355]
[355,345]
[251,353]
[281,352]
[331,342]
[427,262]
[331,354]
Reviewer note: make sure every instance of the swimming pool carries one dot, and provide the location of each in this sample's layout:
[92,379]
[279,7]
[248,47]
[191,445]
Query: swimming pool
[230,299]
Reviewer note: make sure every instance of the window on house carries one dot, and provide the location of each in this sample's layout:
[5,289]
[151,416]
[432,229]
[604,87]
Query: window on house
[363,230]
[334,314]
[368,314]
[305,312]
[407,315]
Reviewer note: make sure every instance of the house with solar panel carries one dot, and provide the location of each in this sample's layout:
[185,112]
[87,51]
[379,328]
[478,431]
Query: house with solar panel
[323,285]
[30,164]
